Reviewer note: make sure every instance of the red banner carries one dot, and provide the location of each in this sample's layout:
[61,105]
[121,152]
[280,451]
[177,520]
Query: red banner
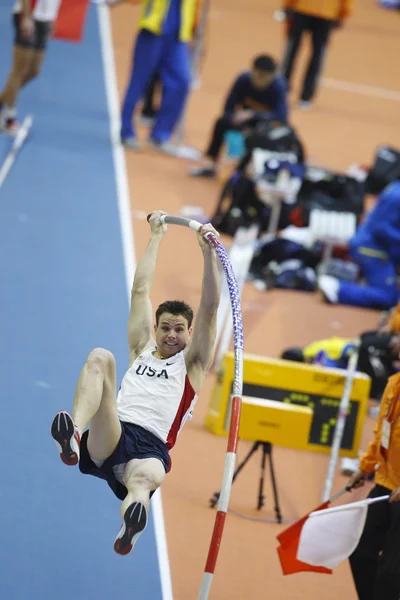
[71,19]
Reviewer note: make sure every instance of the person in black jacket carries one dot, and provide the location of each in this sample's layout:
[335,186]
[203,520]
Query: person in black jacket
[255,95]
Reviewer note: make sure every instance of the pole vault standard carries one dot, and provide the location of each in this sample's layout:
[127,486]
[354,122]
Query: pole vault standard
[236,401]
[341,420]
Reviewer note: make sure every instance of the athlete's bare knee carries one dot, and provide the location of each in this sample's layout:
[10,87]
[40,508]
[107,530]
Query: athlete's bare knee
[101,360]
[144,477]
[140,478]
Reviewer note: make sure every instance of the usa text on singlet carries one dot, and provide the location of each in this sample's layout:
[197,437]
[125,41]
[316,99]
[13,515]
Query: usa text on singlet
[157,395]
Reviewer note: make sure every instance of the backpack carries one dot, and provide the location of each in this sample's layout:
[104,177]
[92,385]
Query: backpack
[385,169]
[280,139]
[239,205]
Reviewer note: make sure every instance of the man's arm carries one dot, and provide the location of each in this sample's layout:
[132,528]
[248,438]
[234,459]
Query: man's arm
[26,8]
[279,108]
[234,98]
[200,351]
[26,23]
[141,317]
[369,459]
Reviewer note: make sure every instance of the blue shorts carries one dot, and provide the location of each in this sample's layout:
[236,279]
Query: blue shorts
[135,442]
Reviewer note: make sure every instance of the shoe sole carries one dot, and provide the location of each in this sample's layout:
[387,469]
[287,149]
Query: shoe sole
[205,175]
[63,433]
[135,521]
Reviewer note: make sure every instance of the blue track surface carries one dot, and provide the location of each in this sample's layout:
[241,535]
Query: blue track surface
[63,292]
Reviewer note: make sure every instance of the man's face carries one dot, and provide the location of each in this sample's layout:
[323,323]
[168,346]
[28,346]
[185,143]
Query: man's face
[172,334]
[261,79]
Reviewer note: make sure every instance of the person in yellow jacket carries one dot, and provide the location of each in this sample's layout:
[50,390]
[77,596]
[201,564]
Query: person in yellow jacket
[162,46]
[375,563]
[318,17]
[151,100]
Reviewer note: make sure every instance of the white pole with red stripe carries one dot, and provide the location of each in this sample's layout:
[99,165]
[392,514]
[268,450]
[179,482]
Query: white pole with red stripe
[223,502]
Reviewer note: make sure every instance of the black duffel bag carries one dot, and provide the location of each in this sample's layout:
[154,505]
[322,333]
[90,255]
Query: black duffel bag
[327,190]
[385,169]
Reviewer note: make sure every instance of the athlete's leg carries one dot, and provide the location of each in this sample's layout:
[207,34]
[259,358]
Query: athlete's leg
[35,66]
[94,403]
[141,477]
[22,58]
[43,31]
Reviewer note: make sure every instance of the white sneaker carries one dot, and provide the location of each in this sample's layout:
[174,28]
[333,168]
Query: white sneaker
[304,105]
[329,286]
[131,143]
[67,437]
[10,127]
[163,147]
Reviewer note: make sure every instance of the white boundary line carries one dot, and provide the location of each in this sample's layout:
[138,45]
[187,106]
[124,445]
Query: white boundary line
[128,247]
[365,90]
[15,148]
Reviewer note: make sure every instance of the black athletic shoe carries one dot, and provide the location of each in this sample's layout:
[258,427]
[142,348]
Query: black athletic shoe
[135,521]
[67,438]
[206,172]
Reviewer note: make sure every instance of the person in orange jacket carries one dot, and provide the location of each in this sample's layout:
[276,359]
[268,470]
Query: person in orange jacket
[375,563]
[319,17]
[391,321]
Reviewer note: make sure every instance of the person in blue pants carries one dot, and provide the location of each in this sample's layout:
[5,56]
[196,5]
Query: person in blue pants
[162,46]
[375,247]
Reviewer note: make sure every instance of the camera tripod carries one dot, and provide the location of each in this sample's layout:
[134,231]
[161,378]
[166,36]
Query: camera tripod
[266,450]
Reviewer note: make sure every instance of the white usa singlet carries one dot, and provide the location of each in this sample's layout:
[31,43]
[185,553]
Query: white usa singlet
[42,10]
[157,395]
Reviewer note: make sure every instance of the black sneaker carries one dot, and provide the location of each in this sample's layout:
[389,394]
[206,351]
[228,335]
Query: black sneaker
[135,521]
[67,438]
[207,172]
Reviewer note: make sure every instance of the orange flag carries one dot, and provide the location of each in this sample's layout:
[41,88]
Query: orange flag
[71,19]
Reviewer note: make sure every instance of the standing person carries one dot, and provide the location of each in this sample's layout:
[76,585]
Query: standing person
[33,22]
[318,17]
[375,563]
[255,95]
[162,47]
[150,103]
[132,432]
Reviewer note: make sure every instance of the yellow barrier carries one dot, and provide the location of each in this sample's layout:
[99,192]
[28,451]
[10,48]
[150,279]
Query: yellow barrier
[275,422]
[295,384]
